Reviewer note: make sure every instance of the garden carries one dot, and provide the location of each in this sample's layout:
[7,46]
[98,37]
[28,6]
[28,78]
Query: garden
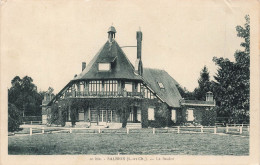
[134,143]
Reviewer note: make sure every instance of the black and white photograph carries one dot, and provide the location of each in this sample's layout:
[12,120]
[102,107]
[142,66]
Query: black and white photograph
[110,81]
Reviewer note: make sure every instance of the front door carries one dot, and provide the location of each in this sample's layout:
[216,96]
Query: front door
[103,117]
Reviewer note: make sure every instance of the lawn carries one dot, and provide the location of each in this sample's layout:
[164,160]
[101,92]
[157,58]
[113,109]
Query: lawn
[129,144]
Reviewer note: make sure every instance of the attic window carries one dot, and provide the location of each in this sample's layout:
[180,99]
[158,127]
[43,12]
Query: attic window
[104,66]
[161,85]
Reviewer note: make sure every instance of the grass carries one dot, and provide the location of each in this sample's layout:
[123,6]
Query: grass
[131,144]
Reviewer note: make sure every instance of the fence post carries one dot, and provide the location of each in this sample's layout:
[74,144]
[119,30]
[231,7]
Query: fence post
[23,123]
[226,128]
[99,130]
[178,129]
[215,130]
[242,124]
[30,131]
[153,130]
[31,122]
[127,130]
[70,130]
[201,129]
[42,130]
[240,129]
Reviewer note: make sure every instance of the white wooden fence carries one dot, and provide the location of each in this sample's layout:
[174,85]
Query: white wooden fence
[32,122]
[178,130]
[234,128]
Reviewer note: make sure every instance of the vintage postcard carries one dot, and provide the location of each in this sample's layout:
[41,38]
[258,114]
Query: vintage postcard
[135,82]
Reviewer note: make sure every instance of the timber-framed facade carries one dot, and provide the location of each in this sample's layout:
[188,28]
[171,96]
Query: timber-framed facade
[111,90]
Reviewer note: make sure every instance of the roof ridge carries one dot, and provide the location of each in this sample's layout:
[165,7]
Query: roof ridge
[154,69]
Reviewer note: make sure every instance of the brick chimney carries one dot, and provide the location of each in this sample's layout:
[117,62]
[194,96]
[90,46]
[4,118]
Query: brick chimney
[138,63]
[83,65]
[139,37]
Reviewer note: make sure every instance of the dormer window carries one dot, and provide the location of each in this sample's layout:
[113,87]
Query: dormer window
[161,85]
[106,63]
[104,66]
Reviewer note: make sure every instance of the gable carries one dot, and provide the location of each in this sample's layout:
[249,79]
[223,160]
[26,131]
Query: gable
[169,93]
[121,67]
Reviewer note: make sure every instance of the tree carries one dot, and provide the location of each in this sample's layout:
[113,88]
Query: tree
[204,85]
[185,93]
[23,94]
[14,118]
[231,87]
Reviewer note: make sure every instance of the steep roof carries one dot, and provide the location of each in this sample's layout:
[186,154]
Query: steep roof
[121,66]
[170,93]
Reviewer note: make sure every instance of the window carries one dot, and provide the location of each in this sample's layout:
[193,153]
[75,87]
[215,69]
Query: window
[110,86]
[146,92]
[189,114]
[161,85]
[95,86]
[138,88]
[81,116]
[81,87]
[174,115]
[104,66]
[128,87]
[150,113]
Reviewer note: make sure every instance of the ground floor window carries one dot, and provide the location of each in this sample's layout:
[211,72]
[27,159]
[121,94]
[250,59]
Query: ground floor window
[135,115]
[173,116]
[189,115]
[81,116]
[150,113]
[93,115]
[104,115]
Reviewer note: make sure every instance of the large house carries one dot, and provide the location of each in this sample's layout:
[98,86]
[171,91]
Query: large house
[111,90]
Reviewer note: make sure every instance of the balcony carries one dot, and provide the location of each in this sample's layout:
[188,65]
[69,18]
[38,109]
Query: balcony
[197,103]
[103,94]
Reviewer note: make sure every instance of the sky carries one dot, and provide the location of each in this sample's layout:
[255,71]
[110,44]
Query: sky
[48,40]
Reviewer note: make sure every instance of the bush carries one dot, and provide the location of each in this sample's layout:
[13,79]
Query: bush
[14,118]
[58,115]
[209,117]
[162,117]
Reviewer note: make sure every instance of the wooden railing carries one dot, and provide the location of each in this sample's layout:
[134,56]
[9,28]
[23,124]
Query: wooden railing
[103,94]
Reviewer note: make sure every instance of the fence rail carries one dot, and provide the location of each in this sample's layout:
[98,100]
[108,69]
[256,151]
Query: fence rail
[32,122]
[177,130]
[242,125]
